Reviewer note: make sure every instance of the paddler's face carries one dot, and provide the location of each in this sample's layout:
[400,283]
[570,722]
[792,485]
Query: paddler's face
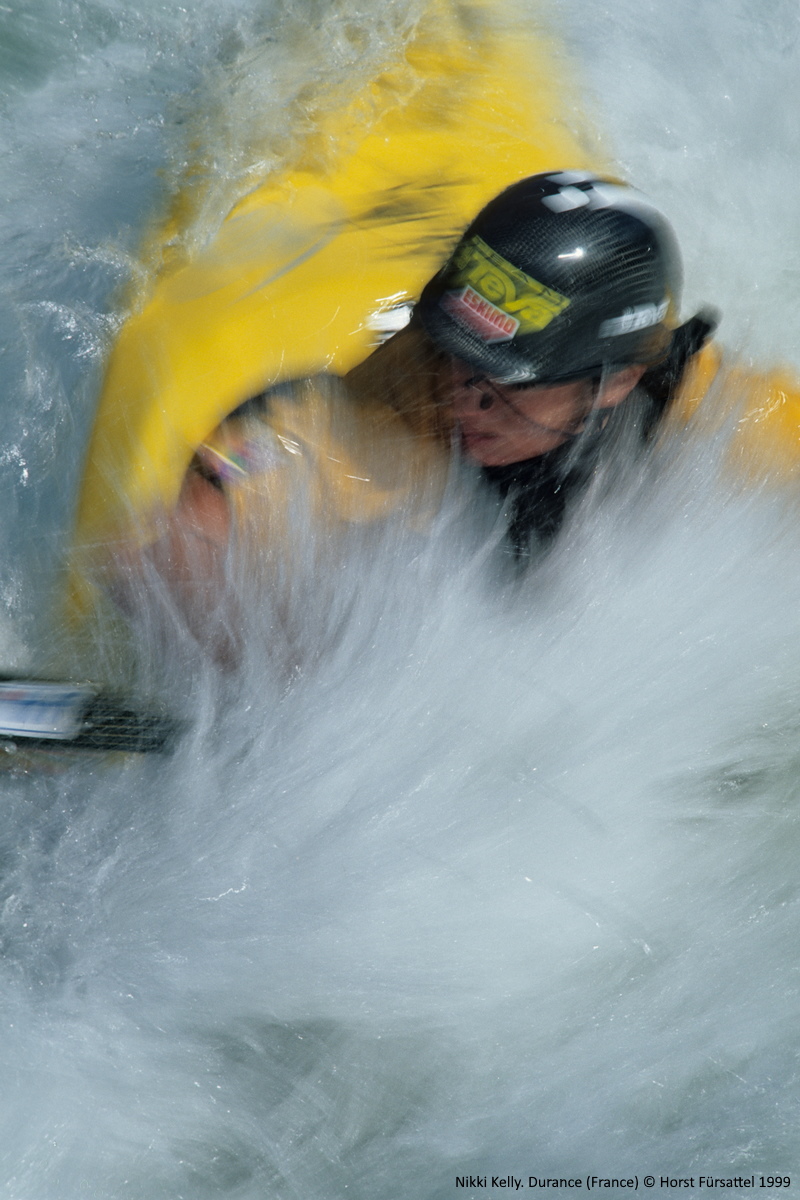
[502,424]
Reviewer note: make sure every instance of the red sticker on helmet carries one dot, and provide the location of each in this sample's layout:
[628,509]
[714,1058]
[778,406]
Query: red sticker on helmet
[479,315]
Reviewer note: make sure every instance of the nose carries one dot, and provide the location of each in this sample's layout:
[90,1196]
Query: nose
[473,393]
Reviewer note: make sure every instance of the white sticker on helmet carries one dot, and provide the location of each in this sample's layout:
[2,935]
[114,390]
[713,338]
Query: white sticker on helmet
[601,193]
[609,195]
[566,198]
[640,317]
[566,177]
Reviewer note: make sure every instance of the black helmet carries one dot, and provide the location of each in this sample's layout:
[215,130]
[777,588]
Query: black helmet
[559,277]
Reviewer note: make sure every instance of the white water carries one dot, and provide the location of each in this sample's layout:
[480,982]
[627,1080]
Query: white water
[507,881]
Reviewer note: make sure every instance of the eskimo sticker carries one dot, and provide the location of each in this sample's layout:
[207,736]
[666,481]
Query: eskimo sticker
[488,287]
[480,316]
[641,317]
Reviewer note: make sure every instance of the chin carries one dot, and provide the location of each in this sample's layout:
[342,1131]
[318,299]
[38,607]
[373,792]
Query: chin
[497,458]
[485,454]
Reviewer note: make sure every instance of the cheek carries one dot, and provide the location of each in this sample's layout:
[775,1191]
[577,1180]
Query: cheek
[561,406]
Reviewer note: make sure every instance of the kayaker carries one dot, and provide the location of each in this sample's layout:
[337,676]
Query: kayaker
[559,310]
[550,334]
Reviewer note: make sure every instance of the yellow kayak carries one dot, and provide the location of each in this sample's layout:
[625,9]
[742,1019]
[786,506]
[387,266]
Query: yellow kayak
[306,265]
[303,267]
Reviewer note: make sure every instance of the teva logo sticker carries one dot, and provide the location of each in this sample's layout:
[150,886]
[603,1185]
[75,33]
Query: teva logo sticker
[504,290]
[641,317]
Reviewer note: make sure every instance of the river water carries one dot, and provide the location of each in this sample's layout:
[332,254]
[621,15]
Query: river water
[506,880]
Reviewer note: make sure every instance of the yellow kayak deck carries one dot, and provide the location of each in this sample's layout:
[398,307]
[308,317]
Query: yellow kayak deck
[299,268]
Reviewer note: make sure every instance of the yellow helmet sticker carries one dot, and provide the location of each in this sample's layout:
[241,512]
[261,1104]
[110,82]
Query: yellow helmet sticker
[530,303]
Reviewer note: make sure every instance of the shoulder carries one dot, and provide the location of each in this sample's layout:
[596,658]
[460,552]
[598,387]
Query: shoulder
[764,435]
[352,449]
